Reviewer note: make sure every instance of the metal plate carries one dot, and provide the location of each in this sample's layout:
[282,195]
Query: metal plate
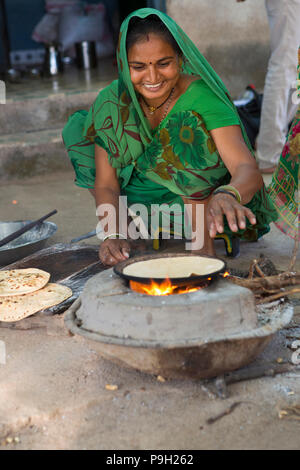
[119,269]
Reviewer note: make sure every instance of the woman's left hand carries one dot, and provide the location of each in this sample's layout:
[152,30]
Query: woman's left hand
[224,204]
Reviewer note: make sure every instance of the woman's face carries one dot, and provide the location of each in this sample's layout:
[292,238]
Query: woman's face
[154,68]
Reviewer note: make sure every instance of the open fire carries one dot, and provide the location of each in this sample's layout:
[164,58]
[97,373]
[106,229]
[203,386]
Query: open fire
[166,287]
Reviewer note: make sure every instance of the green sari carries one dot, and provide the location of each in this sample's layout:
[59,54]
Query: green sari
[179,157]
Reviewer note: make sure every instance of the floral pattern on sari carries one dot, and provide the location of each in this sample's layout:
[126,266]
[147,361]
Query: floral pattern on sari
[183,156]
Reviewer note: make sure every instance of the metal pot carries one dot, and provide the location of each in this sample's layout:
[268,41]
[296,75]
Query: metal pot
[86,54]
[53,64]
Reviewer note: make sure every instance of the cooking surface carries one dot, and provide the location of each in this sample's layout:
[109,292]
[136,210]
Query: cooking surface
[70,265]
[177,267]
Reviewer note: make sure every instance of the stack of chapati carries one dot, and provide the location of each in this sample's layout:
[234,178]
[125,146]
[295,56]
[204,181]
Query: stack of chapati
[24,292]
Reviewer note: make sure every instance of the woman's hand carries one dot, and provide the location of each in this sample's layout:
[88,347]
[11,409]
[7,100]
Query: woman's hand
[224,204]
[113,251]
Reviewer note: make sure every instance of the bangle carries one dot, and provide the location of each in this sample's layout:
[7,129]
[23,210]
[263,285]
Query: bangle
[225,192]
[116,235]
[229,190]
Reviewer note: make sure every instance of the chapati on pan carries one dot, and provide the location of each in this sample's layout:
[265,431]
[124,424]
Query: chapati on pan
[174,267]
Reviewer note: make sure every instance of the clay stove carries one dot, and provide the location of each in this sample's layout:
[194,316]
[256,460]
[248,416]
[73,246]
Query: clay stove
[199,334]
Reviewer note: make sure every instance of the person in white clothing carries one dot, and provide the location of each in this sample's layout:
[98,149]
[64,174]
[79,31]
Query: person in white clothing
[278,108]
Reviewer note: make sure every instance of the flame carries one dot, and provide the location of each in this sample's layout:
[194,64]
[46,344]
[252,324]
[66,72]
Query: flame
[164,288]
[226,274]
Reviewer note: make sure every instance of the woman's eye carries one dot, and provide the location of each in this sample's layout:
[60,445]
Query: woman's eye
[137,67]
[165,64]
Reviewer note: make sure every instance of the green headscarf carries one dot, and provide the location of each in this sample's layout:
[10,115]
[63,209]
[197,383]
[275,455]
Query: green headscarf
[116,120]
[194,63]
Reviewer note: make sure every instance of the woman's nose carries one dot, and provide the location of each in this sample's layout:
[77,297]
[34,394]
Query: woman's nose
[152,74]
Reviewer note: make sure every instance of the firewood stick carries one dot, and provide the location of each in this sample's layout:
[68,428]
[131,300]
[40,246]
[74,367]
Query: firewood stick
[255,372]
[260,272]
[278,295]
[251,269]
[267,282]
[254,265]
[268,291]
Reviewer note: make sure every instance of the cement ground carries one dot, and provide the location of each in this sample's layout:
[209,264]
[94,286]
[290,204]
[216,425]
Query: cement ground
[52,385]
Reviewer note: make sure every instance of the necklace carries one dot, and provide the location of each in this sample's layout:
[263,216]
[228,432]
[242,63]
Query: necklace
[152,109]
[167,107]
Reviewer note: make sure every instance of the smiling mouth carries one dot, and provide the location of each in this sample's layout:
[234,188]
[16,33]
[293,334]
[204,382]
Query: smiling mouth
[155,87]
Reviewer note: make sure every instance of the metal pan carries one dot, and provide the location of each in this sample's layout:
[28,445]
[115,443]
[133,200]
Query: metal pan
[179,281]
[12,236]
[27,243]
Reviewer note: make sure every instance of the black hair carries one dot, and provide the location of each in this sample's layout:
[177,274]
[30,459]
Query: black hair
[139,28]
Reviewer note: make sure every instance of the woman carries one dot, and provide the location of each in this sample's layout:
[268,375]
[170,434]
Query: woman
[284,188]
[167,132]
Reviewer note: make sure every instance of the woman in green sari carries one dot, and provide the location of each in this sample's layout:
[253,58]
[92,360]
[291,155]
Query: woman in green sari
[167,132]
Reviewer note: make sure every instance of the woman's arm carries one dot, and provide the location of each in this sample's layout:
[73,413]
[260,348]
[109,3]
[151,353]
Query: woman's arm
[107,191]
[245,177]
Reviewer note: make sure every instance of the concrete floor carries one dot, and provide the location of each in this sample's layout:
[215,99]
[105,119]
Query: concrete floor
[53,395]
[72,80]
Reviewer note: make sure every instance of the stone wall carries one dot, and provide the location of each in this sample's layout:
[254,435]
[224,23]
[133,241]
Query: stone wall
[233,37]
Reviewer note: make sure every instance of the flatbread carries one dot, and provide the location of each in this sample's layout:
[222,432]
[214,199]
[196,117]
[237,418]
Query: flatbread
[22,281]
[174,267]
[17,307]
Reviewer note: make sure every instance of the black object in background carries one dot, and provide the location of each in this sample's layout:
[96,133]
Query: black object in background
[125,8]
[5,35]
[86,55]
[250,114]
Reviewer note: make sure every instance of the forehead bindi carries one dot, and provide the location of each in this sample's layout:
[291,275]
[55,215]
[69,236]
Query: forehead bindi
[151,50]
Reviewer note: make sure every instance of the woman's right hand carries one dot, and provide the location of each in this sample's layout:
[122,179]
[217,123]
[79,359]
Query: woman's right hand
[113,251]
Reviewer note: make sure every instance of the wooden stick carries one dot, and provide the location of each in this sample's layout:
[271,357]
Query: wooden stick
[251,269]
[279,295]
[224,413]
[267,282]
[255,372]
[260,272]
